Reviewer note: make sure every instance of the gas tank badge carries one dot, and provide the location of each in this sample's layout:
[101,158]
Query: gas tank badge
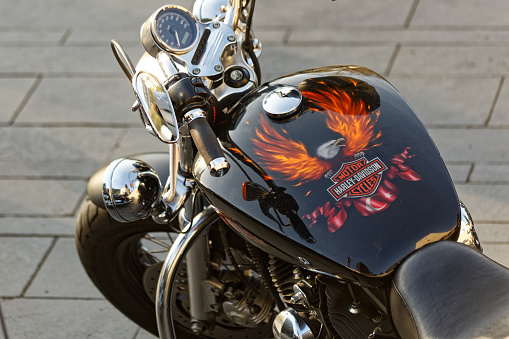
[282,102]
[355,179]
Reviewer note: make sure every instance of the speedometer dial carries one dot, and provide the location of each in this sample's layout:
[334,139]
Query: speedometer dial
[175,29]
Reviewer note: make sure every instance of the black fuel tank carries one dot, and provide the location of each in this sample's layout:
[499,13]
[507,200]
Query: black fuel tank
[350,184]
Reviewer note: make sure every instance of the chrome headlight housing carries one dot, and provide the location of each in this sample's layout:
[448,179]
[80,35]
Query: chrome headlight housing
[131,189]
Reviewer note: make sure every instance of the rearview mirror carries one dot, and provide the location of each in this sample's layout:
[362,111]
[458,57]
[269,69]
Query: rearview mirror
[156,107]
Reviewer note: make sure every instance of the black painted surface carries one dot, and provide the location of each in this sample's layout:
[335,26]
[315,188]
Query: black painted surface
[376,235]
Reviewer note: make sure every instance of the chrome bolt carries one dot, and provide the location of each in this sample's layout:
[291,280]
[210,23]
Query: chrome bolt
[304,261]
[216,25]
[231,38]
[197,327]
[218,68]
[297,297]
[236,75]
[196,71]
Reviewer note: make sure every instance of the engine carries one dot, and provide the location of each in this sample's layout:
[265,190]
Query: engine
[320,306]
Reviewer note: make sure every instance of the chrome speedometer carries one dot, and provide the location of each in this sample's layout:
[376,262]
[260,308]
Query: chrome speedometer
[171,28]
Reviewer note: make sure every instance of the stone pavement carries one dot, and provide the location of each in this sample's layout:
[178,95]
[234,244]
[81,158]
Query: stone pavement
[66,111]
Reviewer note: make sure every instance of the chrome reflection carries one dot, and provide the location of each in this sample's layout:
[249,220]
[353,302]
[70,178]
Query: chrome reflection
[290,325]
[208,10]
[468,235]
[165,212]
[131,189]
[156,107]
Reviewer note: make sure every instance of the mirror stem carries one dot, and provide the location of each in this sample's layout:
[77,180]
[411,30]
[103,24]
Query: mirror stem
[123,59]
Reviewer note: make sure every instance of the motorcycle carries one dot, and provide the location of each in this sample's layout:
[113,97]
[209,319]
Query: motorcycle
[315,205]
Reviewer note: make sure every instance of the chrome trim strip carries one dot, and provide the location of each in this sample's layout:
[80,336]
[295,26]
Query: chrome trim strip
[468,235]
[194,114]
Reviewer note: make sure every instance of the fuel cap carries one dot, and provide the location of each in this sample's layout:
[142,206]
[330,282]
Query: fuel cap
[282,102]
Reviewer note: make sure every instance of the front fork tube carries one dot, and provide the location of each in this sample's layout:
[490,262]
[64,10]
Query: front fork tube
[200,296]
[191,233]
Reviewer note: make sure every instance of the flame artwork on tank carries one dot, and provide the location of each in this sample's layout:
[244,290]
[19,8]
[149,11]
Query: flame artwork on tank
[349,108]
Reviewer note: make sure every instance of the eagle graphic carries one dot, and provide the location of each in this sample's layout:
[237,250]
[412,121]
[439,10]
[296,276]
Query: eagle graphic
[350,110]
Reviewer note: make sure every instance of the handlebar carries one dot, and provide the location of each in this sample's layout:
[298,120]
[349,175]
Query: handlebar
[206,142]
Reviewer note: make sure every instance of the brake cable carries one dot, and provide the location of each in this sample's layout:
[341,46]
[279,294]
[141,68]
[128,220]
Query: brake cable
[248,43]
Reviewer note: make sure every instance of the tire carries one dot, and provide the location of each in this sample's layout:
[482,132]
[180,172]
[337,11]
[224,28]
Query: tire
[118,265]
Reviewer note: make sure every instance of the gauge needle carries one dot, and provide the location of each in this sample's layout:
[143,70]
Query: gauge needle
[177,36]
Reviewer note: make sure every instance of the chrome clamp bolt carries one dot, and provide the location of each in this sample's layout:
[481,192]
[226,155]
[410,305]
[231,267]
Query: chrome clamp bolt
[236,75]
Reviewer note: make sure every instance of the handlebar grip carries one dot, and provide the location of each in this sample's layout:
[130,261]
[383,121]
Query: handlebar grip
[206,142]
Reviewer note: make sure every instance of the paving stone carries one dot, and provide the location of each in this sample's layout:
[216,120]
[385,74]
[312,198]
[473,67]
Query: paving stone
[32,37]
[466,62]
[44,169]
[471,145]
[20,258]
[271,35]
[278,61]
[64,319]
[461,13]
[75,13]
[13,92]
[485,202]
[459,173]
[37,226]
[381,35]
[497,252]
[127,35]
[449,101]
[1,332]
[303,13]
[62,275]
[58,144]
[138,140]
[490,173]
[40,197]
[81,101]
[145,335]
[492,233]
[61,60]
[500,116]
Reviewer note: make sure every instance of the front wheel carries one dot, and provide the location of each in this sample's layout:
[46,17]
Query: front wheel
[123,260]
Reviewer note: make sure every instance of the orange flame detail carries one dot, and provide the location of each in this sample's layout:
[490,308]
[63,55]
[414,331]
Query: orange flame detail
[344,116]
[349,118]
[287,156]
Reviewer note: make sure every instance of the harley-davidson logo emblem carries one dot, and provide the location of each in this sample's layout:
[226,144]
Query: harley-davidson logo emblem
[356,179]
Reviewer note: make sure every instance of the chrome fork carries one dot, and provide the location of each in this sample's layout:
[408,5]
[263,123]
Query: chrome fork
[191,232]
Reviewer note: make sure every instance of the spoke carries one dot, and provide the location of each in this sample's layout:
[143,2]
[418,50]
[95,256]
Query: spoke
[169,237]
[161,251]
[157,241]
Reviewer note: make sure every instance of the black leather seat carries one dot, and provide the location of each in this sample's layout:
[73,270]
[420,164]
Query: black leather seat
[448,290]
